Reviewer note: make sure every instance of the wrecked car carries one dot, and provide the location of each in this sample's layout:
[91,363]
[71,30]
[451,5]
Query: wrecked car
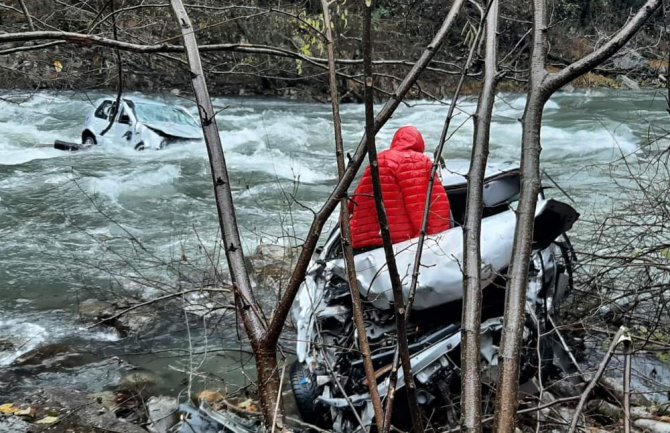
[328,378]
[139,123]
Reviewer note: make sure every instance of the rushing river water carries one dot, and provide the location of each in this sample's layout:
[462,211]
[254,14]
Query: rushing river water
[66,217]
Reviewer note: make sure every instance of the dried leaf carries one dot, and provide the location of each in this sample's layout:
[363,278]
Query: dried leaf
[210,396]
[29,411]
[58,66]
[248,405]
[8,409]
[48,420]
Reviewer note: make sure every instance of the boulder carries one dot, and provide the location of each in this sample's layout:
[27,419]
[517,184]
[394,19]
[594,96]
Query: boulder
[630,60]
[131,322]
[80,412]
[50,355]
[138,380]
[93,310]
[273,276]
[272,252]
[272,264]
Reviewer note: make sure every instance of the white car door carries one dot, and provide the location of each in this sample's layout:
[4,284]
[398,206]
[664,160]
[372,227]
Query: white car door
[123,126]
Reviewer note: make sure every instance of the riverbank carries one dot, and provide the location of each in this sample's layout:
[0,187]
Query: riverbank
[262,52]
[629,71]
[132,407]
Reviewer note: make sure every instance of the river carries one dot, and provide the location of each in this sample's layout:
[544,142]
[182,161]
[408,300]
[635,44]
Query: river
[66,217]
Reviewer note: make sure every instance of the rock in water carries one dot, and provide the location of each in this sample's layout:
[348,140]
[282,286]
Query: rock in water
[6,345]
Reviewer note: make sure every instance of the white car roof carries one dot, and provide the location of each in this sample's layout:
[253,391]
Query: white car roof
[457,169]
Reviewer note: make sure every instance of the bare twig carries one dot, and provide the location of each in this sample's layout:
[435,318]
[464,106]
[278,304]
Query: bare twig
[26,12]
[619,337]
[345,230]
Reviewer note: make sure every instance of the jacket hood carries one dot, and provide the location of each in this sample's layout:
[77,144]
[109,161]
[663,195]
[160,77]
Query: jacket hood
[408,138]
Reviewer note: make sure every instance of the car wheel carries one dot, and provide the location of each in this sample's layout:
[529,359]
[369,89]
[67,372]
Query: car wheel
[88,139]
[306,392]
[139,146]
[163,144]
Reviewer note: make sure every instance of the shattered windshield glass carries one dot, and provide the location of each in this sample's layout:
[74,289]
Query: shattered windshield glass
[163,113]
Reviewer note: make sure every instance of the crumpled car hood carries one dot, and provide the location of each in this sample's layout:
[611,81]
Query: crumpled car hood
[180,131]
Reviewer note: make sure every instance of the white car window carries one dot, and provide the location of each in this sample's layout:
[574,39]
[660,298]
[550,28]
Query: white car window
[103,110]
[163,113]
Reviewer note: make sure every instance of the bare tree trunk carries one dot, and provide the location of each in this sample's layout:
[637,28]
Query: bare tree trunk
[471,391]
[542,85]
[247,307]
[515,299]
[396,284]
[26,12]
[345,230]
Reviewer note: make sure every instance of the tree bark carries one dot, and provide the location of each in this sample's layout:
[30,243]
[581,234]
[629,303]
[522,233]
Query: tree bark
[515,297]
[345,230]
[471,404]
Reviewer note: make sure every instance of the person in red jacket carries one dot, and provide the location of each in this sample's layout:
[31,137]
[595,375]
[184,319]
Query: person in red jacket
[404,171]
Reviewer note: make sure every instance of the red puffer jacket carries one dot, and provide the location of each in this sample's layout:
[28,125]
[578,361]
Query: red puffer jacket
[404,171]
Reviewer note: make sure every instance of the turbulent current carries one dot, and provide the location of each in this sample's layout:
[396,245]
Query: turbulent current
[74,225]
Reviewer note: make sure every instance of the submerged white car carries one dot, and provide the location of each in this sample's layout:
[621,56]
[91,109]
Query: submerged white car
[139,123]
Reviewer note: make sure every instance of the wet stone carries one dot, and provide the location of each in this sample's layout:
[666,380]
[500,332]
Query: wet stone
[95,310]
[138,380]
[12,424]
[47,356]
[128,323]
[6,346]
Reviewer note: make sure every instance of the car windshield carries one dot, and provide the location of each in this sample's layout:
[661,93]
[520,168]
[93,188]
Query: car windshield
[163,113]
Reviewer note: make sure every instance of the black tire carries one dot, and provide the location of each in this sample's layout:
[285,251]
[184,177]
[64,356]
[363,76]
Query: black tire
[139,146]
[88,139]
[306,392]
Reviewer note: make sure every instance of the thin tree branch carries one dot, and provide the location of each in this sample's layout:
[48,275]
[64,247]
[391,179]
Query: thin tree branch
[391,266]
[557,80]
[26,12]
[618,338]
[345,230]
